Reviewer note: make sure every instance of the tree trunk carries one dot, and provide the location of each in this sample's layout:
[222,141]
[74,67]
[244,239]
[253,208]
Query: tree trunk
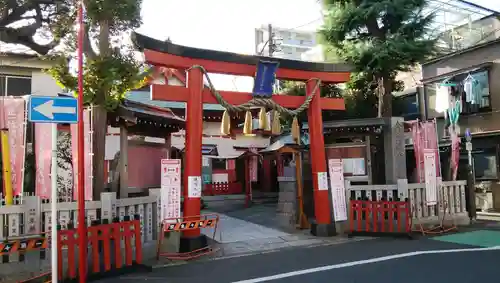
[387,97]
[99,147]
[384,94]
[100,121]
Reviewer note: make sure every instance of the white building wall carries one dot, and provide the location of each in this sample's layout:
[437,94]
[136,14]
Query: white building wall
[43,84]
[293,43]
[315,54]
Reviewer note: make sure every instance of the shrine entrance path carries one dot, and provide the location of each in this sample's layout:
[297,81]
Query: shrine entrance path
[247,231]
[262,214]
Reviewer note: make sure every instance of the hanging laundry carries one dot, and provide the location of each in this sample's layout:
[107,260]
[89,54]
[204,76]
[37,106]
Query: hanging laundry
[453,115]
[442,98]
[472,89]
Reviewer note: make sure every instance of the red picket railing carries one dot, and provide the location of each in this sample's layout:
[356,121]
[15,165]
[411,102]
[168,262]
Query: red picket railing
[378,218]
[114,248]
[216,189]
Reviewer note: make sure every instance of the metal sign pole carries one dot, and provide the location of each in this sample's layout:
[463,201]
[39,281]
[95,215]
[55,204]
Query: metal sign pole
[53,206]
[82,229]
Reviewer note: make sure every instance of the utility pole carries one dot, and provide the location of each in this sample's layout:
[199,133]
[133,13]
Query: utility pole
[270,40]
[470,199]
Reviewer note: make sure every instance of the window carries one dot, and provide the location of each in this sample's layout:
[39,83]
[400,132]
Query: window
[485,164]
[406,105]
[481,79]
[287,50]
[14,85]
[218,164]
[286,35]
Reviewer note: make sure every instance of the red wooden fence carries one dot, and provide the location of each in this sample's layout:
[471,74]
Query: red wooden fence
[377,218]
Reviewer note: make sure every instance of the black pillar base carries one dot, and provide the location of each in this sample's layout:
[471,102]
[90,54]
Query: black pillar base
[323,230]
[190,244]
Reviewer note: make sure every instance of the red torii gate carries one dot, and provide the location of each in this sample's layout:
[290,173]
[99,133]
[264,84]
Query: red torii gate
[166,54]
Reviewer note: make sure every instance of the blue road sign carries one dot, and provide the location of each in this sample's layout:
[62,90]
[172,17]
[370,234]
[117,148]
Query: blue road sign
[53,109]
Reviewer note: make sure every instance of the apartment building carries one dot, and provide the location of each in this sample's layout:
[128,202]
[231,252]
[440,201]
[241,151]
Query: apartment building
[289,43]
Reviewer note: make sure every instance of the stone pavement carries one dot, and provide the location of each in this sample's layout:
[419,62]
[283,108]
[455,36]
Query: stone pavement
[246,231]
[238,237]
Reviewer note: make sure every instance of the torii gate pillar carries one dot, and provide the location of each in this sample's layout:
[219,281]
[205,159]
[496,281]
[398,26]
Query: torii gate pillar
[323,225]
[191,239]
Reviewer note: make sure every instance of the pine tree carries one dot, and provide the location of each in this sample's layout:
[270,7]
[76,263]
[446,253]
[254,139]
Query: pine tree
[379,38]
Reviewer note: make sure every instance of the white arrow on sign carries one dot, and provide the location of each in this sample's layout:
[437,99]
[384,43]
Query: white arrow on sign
[48,109]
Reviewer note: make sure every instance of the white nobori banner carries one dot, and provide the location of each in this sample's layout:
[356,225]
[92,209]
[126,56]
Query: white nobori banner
[431,180]
[337,186]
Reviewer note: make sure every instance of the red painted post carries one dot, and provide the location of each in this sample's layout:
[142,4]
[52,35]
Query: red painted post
[194,132]
[323,226]
[82,228]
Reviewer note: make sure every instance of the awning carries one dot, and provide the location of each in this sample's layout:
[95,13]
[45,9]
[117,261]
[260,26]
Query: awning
[285,140]
[450,75]
[216,151]
[351,123]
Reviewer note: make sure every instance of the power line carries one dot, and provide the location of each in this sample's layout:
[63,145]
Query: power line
[308,23]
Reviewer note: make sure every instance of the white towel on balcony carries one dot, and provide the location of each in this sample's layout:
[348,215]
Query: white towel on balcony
[442,98]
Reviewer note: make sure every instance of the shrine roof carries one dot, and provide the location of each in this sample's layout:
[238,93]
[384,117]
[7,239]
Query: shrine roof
[285,140]
[145,98]
[145,119]
[143,42]
[351,123]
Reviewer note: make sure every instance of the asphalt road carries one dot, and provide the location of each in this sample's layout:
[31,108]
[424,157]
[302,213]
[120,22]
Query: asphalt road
[373,261]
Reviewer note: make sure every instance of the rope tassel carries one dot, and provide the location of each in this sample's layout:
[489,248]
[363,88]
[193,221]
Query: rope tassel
[276,127]
[247,127]
[296,130]
[263,118]
[225,126]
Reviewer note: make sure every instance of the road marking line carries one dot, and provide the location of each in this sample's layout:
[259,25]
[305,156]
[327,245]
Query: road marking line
[360,262]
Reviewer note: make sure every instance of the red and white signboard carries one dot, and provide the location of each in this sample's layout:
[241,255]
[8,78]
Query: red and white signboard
[170,188]
[337,185]
[430,176]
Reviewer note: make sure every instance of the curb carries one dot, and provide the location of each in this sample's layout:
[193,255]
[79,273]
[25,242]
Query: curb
[245,254]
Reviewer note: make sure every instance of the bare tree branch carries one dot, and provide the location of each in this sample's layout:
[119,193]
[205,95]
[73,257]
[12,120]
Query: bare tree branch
[35,15]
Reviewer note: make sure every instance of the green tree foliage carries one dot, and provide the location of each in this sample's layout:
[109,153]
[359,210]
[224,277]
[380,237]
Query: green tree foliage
[299,89]
[379,38]
[360,95]
[110,69]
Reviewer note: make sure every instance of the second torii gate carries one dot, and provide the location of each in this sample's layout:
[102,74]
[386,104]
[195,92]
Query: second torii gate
[166,54]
